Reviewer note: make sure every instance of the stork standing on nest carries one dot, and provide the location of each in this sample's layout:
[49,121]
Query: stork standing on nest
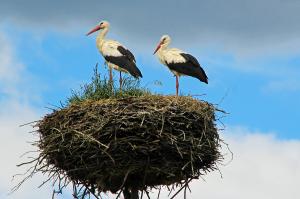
[116,55]
[179,62]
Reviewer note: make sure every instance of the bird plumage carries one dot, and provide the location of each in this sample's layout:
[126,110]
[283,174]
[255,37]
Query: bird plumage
[179,62]
[170,55]
[119,57]
[116,55]
[190,67]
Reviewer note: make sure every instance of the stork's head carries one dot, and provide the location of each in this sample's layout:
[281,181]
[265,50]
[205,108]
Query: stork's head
[164,41]
[101,25]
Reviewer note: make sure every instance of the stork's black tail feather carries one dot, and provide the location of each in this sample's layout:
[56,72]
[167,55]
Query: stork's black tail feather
[201,75]
[135,71]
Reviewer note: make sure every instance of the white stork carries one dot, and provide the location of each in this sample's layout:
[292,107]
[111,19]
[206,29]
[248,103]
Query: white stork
[179,62]
[117,56]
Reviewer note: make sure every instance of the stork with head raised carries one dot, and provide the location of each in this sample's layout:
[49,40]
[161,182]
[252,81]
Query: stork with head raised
[179,62]
[115,54]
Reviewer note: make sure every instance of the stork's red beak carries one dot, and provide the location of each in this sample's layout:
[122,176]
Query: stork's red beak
[157,48]
[94,30]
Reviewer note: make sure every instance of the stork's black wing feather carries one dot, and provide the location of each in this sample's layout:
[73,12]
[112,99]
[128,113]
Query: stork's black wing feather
[191,59]
[126,53]
[190,67]
[125,63]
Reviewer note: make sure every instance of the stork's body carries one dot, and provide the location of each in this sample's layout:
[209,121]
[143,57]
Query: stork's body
[115,54]
[179,62]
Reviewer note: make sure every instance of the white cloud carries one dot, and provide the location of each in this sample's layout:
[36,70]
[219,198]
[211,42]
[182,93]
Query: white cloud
[244,27]
[263,167]
[13,143]
[10,68]
[14,111]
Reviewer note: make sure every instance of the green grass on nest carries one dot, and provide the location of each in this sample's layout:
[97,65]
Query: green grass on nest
[99,89]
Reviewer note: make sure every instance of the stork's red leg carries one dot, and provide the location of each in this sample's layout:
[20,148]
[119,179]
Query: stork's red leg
[121,81]
[111,78]
[177,85]
[110,74]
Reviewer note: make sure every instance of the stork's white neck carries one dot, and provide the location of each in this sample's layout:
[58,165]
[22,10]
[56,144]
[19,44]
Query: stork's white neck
[160,54]
[162,49]
[100,38]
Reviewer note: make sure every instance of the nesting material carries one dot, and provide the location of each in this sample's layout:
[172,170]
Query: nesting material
[136,142]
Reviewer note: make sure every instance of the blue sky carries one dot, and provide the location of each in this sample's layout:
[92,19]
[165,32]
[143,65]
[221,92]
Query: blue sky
[250,51]
[261,94]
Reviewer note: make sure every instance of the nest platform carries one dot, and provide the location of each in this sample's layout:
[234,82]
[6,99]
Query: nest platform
[133,142]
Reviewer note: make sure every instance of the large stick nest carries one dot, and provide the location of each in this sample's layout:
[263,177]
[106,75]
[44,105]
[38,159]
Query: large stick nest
[135,142]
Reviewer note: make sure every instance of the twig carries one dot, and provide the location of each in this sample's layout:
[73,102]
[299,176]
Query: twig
[181,188]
